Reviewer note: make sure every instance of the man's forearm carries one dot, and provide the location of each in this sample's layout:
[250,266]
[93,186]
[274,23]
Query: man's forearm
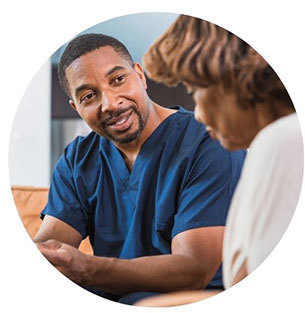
[161,273]
[195,259]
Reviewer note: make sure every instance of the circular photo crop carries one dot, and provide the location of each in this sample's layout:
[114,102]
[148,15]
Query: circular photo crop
[163,164]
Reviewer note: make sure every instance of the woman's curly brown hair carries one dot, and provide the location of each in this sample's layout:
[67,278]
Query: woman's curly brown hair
[202,54]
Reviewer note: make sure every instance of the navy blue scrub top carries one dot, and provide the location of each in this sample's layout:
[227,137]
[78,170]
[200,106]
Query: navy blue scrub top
[181,179]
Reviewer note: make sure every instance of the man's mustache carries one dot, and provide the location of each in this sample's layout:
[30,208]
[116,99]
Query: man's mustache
[116,114]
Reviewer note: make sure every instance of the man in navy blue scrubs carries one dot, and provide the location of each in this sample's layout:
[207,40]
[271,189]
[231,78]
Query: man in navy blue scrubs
[148,185]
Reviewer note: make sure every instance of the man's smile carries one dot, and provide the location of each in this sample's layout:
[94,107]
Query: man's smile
[120,123]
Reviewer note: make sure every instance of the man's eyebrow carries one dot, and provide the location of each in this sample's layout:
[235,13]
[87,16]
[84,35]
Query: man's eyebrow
[80,88]
[85,86]
[114,69]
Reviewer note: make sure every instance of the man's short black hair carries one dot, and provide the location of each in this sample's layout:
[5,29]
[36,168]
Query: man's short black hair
[82,45]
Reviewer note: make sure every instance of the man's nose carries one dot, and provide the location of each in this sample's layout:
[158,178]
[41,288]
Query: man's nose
[110,101]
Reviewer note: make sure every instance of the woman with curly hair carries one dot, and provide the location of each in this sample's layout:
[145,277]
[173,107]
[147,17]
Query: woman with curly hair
[243,104]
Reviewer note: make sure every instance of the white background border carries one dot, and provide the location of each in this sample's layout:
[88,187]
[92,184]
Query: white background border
[30,32]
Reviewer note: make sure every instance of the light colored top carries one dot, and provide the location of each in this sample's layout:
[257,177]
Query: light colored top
[265,198]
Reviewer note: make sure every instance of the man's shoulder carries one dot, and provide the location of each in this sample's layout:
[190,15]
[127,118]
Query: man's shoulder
[186,140]
[183,113]
[186,122]
[83,146]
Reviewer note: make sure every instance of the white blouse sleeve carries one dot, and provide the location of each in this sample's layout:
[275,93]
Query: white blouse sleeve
[265,198]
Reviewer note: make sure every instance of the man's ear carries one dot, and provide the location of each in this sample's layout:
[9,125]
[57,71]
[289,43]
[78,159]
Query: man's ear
[138,68]
[72,105]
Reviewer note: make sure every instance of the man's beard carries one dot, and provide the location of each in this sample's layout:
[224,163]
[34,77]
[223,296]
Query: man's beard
[129,137]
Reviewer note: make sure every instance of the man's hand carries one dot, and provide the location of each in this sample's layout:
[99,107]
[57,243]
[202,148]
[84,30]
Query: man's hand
[67,259]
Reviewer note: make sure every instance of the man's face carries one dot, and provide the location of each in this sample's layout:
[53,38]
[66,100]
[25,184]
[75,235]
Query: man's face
[109,94]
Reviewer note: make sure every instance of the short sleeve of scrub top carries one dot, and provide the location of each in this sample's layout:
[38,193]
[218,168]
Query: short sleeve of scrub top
[63,199]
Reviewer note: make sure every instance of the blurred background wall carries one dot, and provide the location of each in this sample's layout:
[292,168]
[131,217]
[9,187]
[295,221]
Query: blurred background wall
[29,154]
[45,123]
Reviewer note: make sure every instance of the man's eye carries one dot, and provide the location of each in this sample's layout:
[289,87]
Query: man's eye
[87,97]
[119,79]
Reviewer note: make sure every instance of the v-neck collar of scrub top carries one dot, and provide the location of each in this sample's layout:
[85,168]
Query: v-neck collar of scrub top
[152,145]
